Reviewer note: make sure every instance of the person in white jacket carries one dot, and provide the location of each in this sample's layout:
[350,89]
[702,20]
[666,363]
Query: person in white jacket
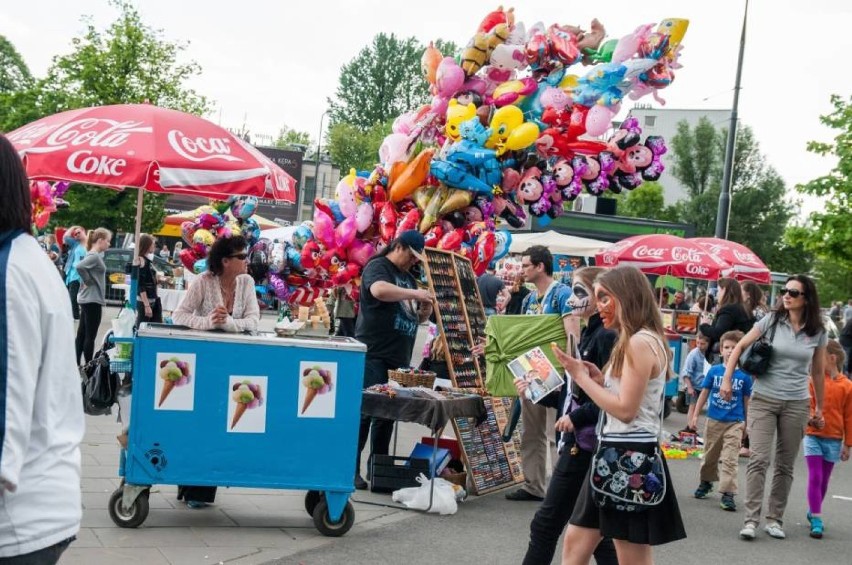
[41,409]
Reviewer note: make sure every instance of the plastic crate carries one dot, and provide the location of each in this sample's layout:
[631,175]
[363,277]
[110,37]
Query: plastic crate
[121,365]
[392,473]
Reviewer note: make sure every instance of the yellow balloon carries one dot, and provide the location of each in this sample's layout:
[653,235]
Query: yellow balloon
[520,138]
[569,82]
[456,114]
[504,121]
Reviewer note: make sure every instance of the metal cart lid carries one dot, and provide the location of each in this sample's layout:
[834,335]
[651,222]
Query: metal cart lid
[261,338]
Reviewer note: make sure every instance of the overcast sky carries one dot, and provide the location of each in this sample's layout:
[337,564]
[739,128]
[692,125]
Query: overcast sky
[269,63]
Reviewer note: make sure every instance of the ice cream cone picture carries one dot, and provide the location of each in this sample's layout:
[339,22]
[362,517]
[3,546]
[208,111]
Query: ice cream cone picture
[316,380]
[174,371]
[246,395]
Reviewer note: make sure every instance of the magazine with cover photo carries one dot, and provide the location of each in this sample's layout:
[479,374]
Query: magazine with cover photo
[540,374]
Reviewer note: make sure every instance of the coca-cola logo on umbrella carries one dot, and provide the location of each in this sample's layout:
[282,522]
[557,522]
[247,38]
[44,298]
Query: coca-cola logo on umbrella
[686,255]
[749,258]
[94,132]
[650,252]
[201,149]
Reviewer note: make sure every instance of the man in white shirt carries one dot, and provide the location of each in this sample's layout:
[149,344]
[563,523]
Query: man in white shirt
[41,409]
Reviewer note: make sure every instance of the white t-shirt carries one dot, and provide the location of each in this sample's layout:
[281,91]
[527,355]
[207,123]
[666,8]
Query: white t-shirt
[43,424]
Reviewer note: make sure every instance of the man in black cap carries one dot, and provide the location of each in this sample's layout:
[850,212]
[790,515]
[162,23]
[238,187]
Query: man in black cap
[387,325]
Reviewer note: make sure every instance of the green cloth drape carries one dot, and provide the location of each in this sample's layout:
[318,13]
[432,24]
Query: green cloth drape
[510,336]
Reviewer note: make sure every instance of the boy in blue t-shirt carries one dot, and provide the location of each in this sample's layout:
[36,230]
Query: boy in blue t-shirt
[693,376]
[724,427]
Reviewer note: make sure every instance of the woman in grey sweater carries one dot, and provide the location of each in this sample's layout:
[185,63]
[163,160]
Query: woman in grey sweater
[92,272]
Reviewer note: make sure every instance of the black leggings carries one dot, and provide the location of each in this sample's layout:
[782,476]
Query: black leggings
[87,331]
[156,312]
[73,289]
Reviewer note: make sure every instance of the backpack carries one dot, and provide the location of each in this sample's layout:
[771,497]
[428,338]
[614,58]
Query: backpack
[100,385]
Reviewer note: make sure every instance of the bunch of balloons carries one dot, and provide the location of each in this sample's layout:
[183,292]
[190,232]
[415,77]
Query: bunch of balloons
[512,129]
[46,199]
[212,222]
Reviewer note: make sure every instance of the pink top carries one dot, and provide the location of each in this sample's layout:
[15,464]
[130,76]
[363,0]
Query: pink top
[205,294]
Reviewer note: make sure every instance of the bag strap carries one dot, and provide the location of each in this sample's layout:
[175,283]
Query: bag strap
[774,327]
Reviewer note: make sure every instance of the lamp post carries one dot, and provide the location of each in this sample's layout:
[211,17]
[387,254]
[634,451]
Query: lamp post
[299,212]
[724,209]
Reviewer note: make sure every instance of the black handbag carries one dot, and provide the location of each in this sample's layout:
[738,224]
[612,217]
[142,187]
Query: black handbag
[627,479]
[755,359]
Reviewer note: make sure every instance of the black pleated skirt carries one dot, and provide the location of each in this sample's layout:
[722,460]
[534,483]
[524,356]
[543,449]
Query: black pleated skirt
[655,526]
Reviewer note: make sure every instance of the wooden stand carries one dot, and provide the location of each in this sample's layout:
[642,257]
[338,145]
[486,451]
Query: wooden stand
[491,463]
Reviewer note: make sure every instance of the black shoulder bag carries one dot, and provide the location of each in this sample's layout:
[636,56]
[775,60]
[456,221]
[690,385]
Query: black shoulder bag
[755,359]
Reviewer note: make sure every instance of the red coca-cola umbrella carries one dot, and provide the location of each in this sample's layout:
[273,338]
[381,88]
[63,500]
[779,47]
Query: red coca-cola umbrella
[148,147]
[745,263]
[663,254]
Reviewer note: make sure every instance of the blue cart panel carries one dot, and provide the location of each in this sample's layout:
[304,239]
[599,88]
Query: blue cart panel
[217,409]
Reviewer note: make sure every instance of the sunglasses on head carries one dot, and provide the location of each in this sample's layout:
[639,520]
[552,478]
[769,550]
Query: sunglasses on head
[792,292]
[240,256]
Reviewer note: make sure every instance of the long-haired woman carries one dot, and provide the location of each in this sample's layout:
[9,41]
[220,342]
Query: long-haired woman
[730,315]
[91,297]
[631,395]
[148,306]
[578,416]
[780,401]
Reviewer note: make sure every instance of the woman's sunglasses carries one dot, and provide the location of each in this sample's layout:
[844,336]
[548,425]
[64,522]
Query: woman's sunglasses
[240,256]
[792,292]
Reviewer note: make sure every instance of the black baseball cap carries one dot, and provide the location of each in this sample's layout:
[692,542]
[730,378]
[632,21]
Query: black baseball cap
[413,240]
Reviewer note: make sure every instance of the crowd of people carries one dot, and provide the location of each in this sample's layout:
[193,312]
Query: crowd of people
[610,412]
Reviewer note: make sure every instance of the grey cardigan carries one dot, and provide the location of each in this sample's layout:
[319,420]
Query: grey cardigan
[93,275]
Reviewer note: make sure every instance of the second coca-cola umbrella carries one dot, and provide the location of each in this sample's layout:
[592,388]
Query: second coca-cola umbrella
[662,254]
[746,265]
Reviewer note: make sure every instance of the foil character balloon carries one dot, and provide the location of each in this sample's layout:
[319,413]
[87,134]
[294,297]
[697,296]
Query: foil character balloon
[363,217]
[456,114]
[244,207]
[323,229]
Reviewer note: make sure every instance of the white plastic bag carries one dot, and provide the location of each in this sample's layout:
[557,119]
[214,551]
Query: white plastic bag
[444,501]
[122,325]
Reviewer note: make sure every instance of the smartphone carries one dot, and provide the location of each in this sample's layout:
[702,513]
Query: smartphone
[575,353]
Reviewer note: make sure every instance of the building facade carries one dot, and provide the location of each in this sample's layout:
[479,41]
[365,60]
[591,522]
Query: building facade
[663,122]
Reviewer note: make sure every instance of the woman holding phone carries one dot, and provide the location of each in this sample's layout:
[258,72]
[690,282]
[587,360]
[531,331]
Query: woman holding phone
[576,426]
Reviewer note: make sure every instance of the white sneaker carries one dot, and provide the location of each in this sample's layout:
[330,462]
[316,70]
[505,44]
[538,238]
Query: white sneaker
[749,531]
[774,530]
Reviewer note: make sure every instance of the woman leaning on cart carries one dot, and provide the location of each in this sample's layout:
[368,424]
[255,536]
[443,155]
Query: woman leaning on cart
[780,402]
[223,298]
[633,402]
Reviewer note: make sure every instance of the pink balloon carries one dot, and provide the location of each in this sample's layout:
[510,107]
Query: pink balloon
[361,251]
[345,232]
[395,147]
[324,228]
[346,198]
[449,78]
[598,120]
[363,217]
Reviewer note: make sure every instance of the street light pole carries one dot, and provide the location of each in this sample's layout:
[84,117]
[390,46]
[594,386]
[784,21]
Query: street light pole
[299,212]
[725,195]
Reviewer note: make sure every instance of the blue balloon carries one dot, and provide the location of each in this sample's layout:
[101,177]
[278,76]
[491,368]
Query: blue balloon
[199,266]
[502,243]
[301,236]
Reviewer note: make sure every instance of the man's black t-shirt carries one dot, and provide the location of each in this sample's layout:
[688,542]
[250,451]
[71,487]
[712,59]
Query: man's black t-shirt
[388,329]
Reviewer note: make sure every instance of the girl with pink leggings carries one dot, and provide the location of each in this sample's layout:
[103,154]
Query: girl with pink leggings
[829,444]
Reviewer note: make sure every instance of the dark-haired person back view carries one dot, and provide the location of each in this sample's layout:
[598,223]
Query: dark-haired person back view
[42,411]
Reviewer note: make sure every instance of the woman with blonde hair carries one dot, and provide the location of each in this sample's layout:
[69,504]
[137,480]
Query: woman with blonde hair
[630,394]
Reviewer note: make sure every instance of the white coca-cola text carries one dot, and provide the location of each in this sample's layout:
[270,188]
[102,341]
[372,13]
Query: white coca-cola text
[645,251]
[201,148]
[84,162]
[93,132]
[749,258]
[693,269]
[685,254]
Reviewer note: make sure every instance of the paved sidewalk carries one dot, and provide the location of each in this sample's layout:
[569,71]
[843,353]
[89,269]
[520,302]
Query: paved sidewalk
[245,526]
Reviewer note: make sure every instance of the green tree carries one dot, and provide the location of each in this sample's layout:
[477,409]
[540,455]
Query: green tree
[828,233]
[698,155]
[646,202]
[288,137]
[760,211]
[14,73]
[349,146]
[383,81]
[128,62]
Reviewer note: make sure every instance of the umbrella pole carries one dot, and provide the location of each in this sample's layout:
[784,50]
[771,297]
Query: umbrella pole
[134,270]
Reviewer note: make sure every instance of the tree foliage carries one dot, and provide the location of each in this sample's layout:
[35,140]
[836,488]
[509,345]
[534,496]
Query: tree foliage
[828,233]
[287,137]
[383,81]
[14,72]
[349,146]
[128,62]
[646,202]
[698,155]
[759,211]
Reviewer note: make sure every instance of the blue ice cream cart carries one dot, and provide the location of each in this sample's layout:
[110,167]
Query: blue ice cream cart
[262,411]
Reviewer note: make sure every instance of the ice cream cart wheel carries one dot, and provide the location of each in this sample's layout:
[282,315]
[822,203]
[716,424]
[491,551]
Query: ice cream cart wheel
[132,517]
[312,498]
[328,528]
